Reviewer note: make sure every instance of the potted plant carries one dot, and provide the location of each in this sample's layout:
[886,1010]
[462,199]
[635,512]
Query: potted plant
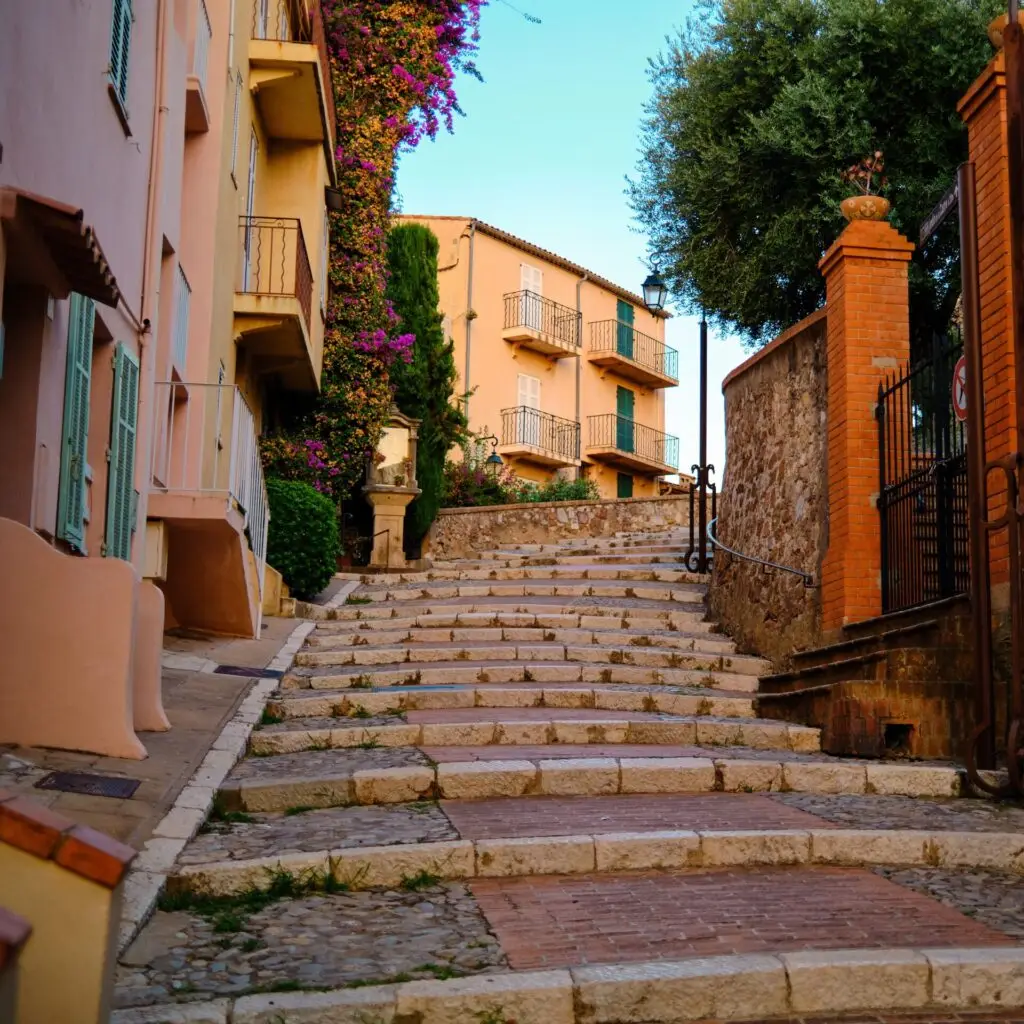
[866,175]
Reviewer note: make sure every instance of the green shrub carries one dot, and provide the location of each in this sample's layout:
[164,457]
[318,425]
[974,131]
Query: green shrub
[303,545]
[583,489]
[466,486]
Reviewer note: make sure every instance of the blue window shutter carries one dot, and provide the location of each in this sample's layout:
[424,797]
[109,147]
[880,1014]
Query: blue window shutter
[120,44]
[121,501]
[71,495]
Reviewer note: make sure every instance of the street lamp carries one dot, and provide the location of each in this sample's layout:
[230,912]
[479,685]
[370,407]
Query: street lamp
[655,296]
[494,460]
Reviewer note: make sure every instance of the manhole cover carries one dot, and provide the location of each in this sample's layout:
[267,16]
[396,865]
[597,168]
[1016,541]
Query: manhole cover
[242,670]
[89,785]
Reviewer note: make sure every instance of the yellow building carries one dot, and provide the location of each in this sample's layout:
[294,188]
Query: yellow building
[567,369]
[248,290]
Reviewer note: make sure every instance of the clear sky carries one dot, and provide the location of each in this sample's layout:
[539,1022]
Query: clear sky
[543,152]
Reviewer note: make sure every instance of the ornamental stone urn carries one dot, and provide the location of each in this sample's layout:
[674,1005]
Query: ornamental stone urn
[390,486]
[865,208]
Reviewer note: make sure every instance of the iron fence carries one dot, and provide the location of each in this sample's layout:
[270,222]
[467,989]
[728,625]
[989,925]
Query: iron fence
[922,447]
[609,430]
[528,309]
[555,435]
[614,336]
[275,261]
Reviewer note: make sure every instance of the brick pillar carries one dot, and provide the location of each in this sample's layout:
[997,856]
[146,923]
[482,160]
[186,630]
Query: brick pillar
[868,334]
[984,112]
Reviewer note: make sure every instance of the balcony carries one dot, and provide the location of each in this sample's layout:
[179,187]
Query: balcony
[541,325]
[290,73]
[197,111]
[629,353]
[539,437]
[627,444]
[274,300]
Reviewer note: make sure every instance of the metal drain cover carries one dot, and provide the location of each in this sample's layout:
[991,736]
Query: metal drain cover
[89,785]
[242,670]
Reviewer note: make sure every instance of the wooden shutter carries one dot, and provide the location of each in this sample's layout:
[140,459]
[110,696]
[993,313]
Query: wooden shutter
[624,485]
[71,495]
[234,130]
[624,329]
[121,474]
[625,428]
[120,44]
[531,282]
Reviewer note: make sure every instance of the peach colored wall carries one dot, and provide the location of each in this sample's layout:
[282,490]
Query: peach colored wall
[494,363]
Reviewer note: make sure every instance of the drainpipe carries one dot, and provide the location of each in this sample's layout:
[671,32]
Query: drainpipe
[469,318]
[579,359]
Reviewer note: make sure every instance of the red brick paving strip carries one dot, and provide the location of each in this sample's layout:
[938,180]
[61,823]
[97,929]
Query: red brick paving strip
[562,921]
[582,815]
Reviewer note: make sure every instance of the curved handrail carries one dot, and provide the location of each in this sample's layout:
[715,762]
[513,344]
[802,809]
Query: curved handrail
[807,577]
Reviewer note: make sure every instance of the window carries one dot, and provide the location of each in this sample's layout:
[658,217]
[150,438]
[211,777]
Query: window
[624,329]
[531,284]
[122,498]
[182,299]
[325,255]
[623,485]
[75,436]
[120,43]
[625,428]
[234,130]
[529,409]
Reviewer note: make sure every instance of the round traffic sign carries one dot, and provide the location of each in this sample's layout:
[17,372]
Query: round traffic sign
[960,389]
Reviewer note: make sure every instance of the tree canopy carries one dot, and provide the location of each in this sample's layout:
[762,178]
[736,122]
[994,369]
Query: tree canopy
[758,107]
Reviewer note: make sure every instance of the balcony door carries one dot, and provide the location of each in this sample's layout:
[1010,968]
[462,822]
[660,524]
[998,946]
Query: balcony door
[625,428]
[529,410]
[531,283]
[250,206]
[624,329]
[262,18]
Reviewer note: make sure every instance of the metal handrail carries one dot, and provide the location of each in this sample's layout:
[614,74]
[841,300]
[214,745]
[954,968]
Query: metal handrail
[807,577]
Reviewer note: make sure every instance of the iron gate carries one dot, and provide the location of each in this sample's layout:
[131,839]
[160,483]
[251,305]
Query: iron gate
[922,500]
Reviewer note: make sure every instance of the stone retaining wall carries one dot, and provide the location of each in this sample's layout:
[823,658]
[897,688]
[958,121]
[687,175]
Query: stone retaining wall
[465,532]
[774,502]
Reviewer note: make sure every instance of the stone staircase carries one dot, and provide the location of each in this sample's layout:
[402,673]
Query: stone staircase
[533,788]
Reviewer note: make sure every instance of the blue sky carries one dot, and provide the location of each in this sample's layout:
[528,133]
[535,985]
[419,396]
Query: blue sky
[543,152]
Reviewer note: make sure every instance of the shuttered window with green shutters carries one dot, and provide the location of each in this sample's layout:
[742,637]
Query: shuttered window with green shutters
[71,495]
[121,475]
[120,44]
[624,329]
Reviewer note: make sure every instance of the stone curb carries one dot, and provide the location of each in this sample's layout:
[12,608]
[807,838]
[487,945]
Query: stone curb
[150,869]
[759,735]
[737,987]
[476,780]
[387,866]
[690,599]
[325,705]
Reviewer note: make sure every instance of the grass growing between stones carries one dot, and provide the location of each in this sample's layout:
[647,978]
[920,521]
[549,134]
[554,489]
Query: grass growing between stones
[423,879]
[353,599]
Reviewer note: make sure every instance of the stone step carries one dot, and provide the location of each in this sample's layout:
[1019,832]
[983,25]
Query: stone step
[346,703]
[334,777]
[666,558]
[380,633]
[508,671]
[514,614]
[688,596]
[550,569]
[433,651]
[506,730]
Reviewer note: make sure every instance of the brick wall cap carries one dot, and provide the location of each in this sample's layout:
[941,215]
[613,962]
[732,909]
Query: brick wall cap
[867,239]
[989,81]
[787,335]
[14,933]
[37,830]
[529,506]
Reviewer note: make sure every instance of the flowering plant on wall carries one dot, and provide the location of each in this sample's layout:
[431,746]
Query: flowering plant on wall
[393,64]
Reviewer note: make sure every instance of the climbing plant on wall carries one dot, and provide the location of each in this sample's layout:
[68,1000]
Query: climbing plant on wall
[393,65]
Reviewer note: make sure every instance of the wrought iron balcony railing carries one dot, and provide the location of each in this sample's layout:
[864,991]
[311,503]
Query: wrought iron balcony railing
[631,438]
[274,260]
[613,337]
[523,425]
[533,311]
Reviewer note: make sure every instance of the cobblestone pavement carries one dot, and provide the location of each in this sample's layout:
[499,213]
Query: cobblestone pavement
[561,921]
[990,898]
[332,829]
[313,942]
[870,812]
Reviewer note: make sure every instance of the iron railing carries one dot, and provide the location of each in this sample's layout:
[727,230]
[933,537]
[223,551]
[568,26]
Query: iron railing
[555,435]
[206,443]
[275,261]
[925,540]
[528,309]
[201,53]
[608,430]
[614,336]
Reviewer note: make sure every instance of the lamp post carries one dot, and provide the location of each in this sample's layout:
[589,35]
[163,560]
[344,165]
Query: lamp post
[655,294]
[494,460]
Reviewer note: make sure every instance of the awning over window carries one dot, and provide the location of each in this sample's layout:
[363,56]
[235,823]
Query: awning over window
[50,244]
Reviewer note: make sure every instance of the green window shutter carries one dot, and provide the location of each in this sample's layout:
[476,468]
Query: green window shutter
[121,472]
[624,329]
[120,44]
[71,495]
[625,427]
[624,485]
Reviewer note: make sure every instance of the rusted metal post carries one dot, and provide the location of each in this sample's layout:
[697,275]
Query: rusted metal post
[702,511]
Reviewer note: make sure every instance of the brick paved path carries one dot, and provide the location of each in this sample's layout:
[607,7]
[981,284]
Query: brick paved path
[589,648]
